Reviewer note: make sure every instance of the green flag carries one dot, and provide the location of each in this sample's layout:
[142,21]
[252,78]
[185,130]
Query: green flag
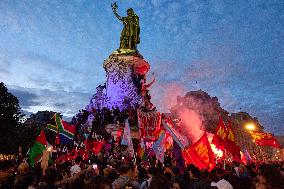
[36,151]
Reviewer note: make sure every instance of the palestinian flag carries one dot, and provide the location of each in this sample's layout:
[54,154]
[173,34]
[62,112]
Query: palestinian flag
[36,151]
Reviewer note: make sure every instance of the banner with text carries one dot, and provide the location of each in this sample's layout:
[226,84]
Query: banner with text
[148,123]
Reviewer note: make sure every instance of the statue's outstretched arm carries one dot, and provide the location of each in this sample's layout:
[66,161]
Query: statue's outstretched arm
[116,15]
[152,82]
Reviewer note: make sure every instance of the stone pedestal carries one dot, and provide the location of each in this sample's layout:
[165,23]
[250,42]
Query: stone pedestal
[124,74]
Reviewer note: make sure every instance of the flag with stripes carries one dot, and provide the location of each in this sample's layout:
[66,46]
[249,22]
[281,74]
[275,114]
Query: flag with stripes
[65,130]
[159,147]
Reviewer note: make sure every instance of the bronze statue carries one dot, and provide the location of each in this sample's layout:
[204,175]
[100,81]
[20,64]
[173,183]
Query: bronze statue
[130,35]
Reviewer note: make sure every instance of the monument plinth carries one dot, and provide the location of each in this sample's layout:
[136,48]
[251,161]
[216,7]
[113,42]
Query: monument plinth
[124,73]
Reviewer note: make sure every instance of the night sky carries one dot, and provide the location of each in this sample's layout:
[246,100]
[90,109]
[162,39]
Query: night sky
[51,52]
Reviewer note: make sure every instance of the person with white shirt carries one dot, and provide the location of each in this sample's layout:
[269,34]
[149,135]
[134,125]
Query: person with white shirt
[76,168]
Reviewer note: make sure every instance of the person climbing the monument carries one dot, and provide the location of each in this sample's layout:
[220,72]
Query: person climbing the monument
[145,92]
[130,35]
[145,87]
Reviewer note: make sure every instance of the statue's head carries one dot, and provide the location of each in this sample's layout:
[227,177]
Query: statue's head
[130,12]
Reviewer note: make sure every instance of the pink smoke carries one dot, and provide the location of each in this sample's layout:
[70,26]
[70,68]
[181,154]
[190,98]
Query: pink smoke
[164,97]
[191,122]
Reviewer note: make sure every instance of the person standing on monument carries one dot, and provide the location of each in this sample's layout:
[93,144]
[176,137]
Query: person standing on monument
[130,35]
[145,92]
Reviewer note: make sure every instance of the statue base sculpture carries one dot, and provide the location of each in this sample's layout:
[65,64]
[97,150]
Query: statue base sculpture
[124,70]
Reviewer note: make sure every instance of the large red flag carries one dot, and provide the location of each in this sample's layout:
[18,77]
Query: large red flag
[231,144]
[97,147]
[200,154]
[94,146]
[265,139]
[220,137]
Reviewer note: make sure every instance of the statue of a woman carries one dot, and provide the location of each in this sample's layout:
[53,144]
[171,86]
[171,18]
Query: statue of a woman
[130,35]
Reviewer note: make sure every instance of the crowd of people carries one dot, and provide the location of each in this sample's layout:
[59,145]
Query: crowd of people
[116,170]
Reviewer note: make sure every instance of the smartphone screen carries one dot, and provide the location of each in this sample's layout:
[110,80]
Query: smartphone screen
[95,166]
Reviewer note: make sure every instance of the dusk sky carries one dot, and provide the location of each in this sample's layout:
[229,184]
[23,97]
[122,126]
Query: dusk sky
[52,51]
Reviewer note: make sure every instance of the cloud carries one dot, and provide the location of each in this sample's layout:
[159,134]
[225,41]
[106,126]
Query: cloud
[4,67]
[39,72]
[25,97]
[65,102]
[36,71]
[43,84]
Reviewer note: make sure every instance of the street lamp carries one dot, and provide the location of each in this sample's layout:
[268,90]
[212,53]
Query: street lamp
[250,126]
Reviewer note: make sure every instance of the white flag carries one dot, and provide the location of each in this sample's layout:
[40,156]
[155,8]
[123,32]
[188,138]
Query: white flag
[159,147]
[126,139]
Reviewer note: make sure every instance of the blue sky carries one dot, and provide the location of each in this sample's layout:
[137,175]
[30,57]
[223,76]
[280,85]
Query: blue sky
[51,52]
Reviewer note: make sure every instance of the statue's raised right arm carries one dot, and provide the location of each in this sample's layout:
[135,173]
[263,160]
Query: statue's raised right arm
[114,8]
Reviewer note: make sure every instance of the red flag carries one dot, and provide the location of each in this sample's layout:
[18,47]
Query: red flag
[94,146]
[89,143]
[57,139]
[148,123]
[265,139]
[200,154]
[41,138]
[72,154]
[220,136]
[97,147]
[231,144]
[62,158]
[269,142]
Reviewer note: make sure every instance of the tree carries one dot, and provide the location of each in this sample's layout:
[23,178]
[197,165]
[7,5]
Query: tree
[10,114]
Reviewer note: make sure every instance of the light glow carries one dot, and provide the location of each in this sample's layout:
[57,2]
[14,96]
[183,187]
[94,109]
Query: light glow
[250,126]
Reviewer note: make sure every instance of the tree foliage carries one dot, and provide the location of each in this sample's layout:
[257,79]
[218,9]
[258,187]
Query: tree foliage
[10,114]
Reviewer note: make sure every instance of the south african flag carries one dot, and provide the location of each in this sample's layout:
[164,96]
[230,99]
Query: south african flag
[64,129]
